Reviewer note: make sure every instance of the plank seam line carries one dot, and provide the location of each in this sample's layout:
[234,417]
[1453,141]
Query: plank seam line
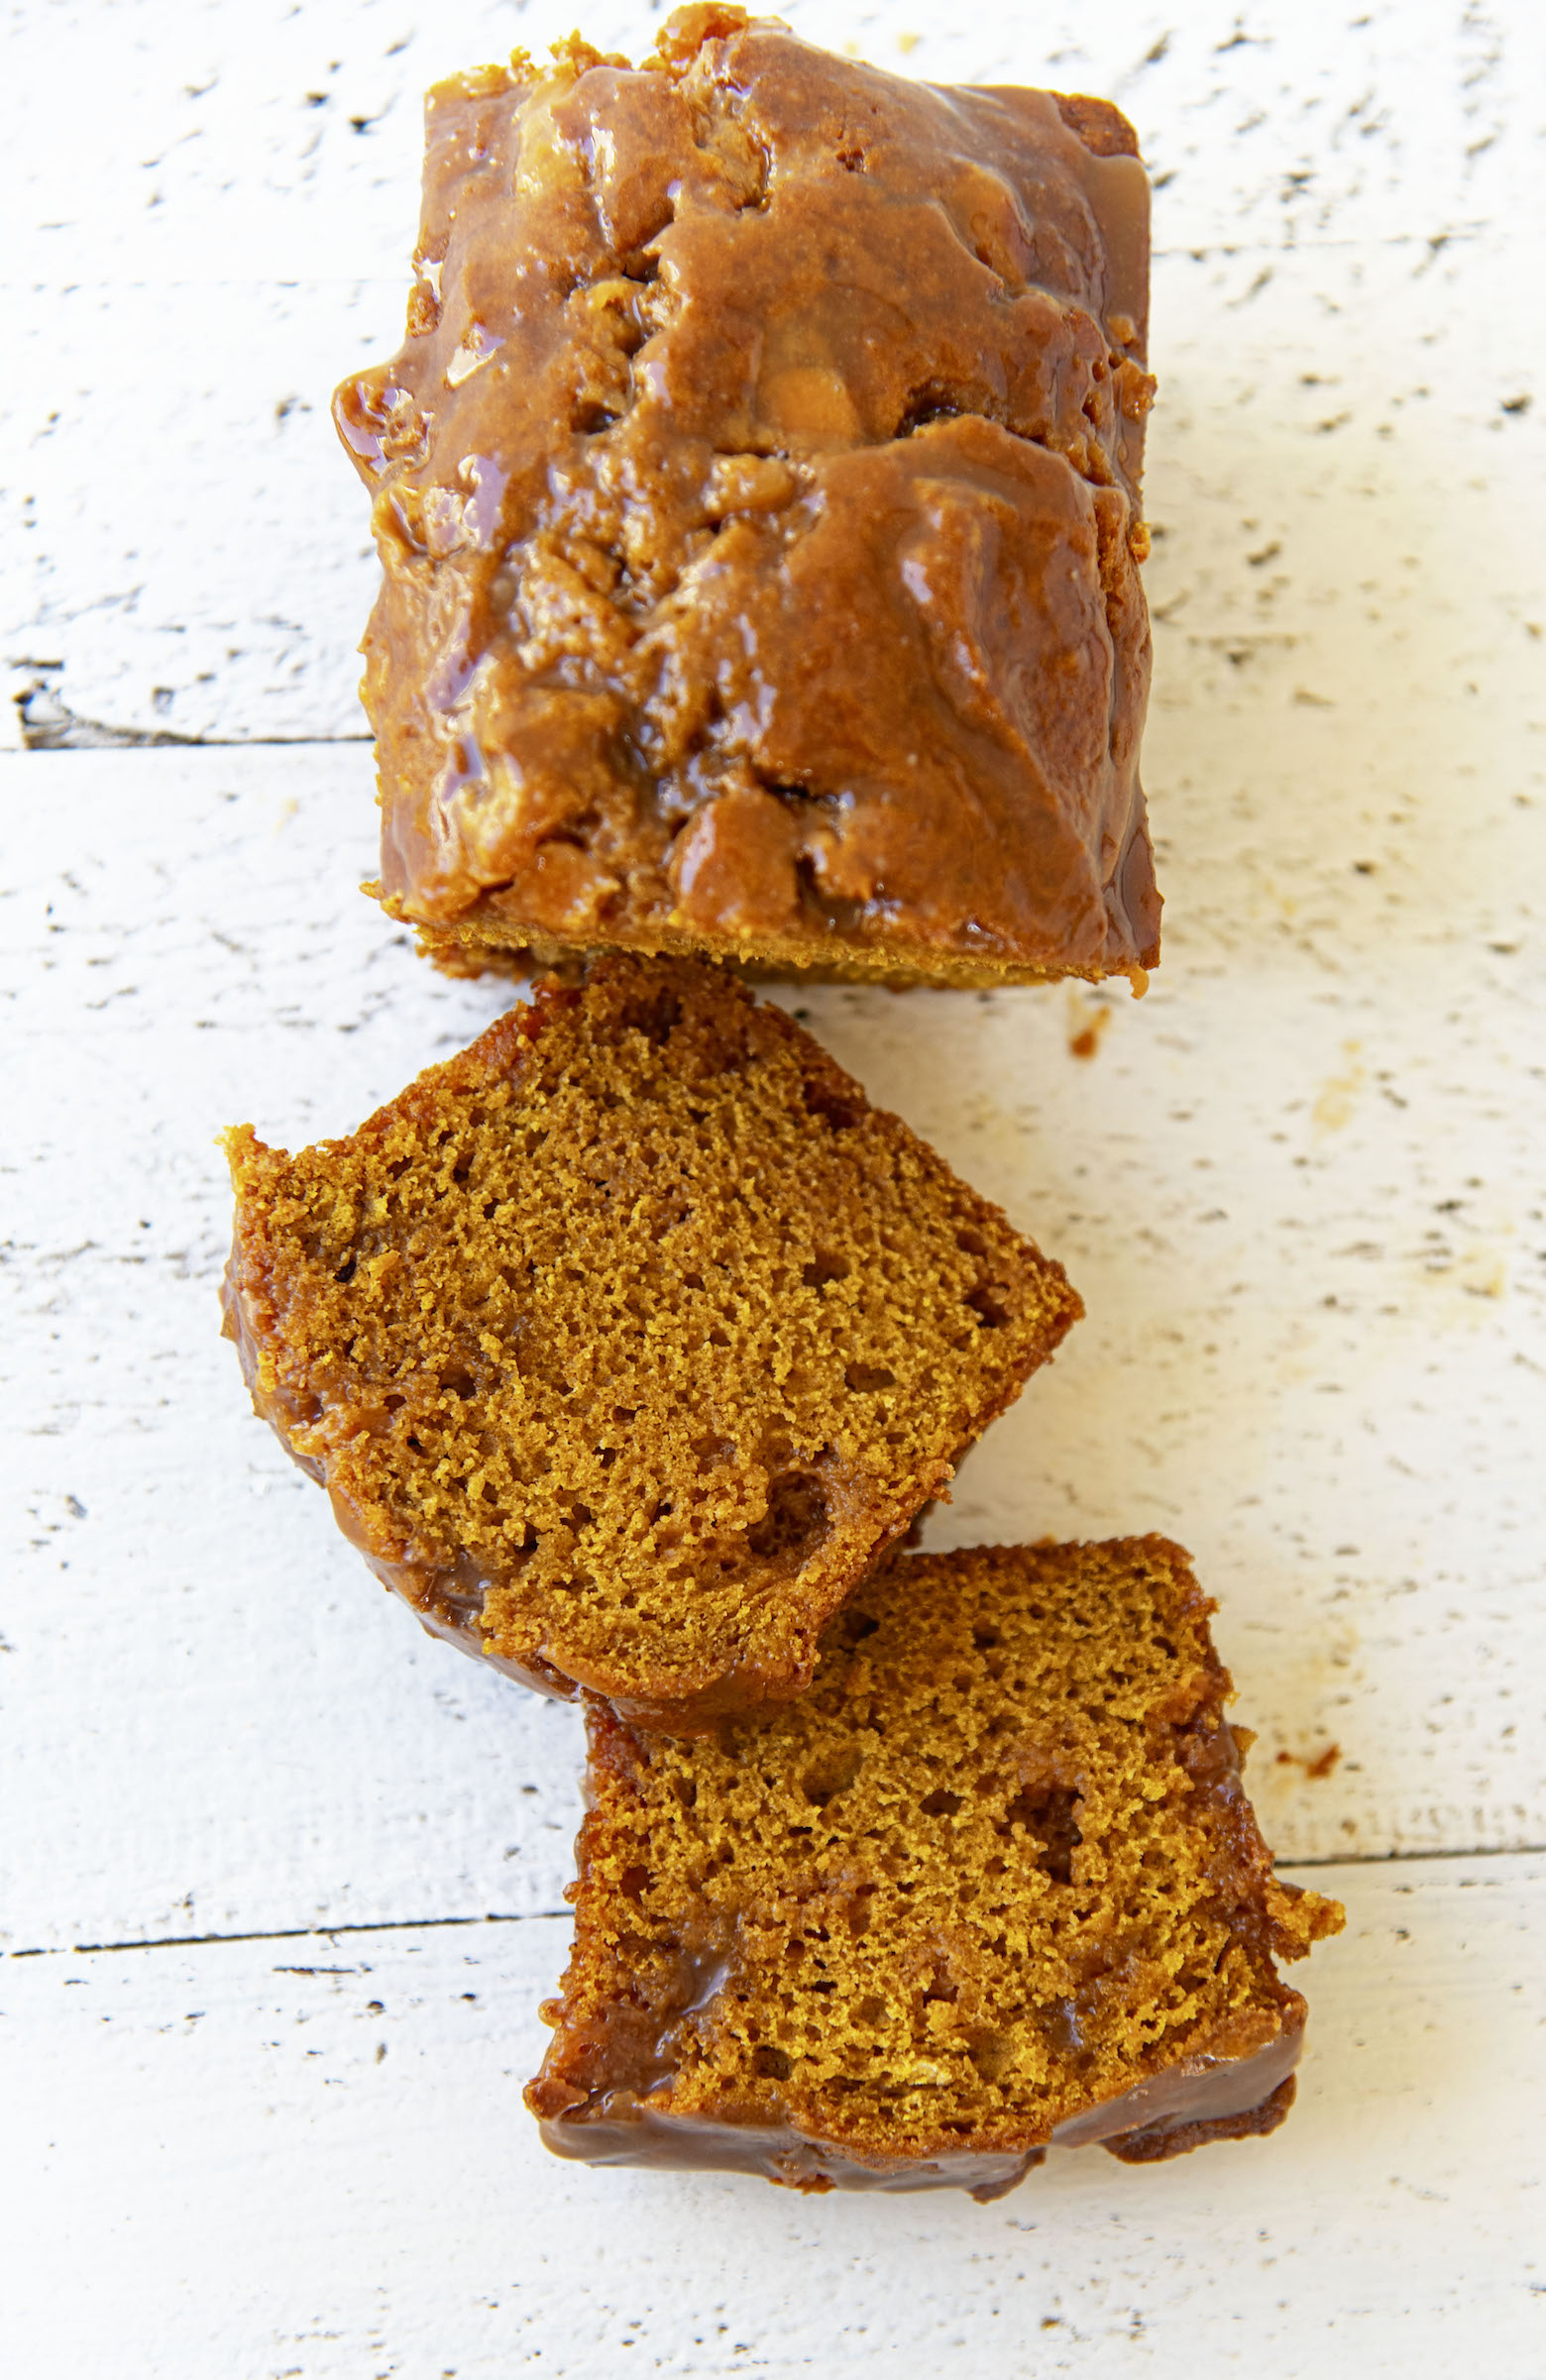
[1391,1859]
[287,1933]
[95,735]
[420,1925]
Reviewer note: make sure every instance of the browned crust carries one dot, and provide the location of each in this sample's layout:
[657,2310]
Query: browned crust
[1103,128]
[1155,2143]
[793,2162]
[484,944]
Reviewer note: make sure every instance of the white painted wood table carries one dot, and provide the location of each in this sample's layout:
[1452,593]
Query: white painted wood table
[283,1878]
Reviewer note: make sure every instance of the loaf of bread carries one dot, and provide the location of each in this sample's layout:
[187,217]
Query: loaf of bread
[757,493]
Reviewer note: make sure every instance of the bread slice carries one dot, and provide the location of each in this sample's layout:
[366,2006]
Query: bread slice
[994,1885]
[626,1342]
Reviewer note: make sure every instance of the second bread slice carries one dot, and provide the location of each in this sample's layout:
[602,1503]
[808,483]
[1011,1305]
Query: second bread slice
[993,1886]
[627,1340]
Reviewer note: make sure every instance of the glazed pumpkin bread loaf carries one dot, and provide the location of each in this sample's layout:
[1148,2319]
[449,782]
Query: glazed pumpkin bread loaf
[757,492]
[626,1342]
[993,1884]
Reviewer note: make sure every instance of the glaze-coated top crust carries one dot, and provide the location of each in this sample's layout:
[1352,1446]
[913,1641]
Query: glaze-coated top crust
[757,494]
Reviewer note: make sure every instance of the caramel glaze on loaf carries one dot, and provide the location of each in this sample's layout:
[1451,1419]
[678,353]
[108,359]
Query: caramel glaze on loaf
[993,1885]
[627,1340]
[758,500]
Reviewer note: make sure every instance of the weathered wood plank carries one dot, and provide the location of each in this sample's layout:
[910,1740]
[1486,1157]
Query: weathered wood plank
[266,2158]
[1301,1186]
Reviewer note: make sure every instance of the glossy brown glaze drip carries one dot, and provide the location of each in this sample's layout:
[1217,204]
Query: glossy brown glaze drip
[1201,2100]
[449,1599]
[758,500]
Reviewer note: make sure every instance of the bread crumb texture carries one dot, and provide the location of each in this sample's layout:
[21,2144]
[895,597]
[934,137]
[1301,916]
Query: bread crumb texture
[995,1869]
[626,1340]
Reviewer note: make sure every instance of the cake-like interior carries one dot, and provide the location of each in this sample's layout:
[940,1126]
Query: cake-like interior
[994,1883]
[757,493]
[627,1340]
